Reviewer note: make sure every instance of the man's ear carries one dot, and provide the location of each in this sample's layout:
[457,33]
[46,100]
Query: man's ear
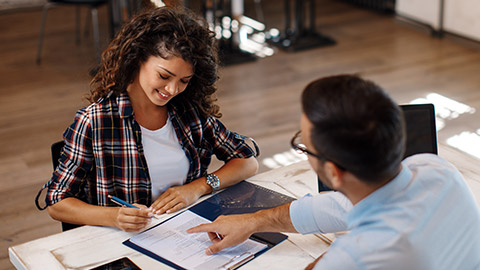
[334,174]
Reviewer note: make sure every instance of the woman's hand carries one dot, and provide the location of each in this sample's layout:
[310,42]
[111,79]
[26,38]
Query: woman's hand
[178,197]
[132,219]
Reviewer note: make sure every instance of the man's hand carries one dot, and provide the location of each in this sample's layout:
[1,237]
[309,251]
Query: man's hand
[226,231]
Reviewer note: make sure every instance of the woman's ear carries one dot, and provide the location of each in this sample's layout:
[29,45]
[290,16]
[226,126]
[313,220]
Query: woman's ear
[334,174]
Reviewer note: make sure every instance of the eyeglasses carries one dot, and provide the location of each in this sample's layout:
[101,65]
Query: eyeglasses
[302,149]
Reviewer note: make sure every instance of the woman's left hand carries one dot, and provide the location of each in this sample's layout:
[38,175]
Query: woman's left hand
[176,198]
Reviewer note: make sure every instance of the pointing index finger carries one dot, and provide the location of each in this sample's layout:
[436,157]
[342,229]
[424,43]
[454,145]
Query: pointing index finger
[205,227]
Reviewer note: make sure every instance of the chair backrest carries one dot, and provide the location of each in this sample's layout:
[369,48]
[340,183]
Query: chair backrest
[56,150]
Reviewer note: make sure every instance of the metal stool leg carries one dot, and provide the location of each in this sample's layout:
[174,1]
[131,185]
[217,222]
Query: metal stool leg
[88,21]
[259,10]
[42,32]
[77,25]
[96,35]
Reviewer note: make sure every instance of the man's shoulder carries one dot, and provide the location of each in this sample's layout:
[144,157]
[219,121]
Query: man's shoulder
[428,160]
[429,166]
[424,159]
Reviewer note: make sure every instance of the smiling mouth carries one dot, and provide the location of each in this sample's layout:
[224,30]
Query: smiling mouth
[166,96]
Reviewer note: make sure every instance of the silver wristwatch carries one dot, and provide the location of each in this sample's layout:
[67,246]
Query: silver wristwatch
[213,181]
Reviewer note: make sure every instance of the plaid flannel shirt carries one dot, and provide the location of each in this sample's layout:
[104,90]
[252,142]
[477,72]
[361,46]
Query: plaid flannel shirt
[103,152]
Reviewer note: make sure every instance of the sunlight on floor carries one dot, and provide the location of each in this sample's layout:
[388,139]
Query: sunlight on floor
[468,142]
[283,159]
[446,109]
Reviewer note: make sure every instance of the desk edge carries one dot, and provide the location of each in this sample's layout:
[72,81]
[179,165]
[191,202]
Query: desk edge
[15,260]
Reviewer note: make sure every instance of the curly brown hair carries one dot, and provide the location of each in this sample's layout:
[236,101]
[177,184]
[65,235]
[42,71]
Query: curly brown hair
[163,32]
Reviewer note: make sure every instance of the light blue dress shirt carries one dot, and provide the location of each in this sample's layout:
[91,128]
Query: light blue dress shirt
[425,218]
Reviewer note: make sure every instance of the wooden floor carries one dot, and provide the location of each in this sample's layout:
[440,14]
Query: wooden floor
[259,99]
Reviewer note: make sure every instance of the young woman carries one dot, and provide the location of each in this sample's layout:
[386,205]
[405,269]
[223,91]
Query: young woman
[150,132]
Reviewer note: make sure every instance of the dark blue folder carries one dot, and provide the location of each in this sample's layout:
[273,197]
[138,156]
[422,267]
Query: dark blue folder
[244,197]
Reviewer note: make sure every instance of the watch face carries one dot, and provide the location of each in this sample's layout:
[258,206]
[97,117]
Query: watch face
[213,181]
[216,183]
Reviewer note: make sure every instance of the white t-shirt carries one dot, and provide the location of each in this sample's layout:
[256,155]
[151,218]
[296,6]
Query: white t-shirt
[167,163]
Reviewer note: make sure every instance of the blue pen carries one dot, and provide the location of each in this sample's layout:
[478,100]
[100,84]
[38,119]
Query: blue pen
[121,202]
[124,203]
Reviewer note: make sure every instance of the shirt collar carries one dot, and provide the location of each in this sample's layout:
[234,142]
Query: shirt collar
[379,197]
[126,110]
[124,106]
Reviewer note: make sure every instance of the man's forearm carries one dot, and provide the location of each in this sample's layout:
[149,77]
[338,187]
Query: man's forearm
[274,220]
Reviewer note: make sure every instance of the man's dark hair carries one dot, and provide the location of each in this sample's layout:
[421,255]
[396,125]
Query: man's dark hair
[356,125]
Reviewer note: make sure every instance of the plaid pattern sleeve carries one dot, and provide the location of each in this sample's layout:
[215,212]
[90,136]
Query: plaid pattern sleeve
[201,137]
[103,156]
[227,144]
[75,164]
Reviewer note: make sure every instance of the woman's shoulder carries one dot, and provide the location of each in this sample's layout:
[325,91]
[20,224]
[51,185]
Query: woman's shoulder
[188,114]
[105,105]
[187,110]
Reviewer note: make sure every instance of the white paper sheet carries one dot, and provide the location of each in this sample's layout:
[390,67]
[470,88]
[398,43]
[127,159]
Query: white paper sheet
[170,241]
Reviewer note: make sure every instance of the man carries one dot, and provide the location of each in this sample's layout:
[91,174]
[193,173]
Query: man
[415,214]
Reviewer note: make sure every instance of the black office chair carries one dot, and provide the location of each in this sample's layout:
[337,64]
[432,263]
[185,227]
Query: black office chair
[93,4]
[56,150]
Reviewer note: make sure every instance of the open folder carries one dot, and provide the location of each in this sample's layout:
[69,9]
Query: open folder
[169,243]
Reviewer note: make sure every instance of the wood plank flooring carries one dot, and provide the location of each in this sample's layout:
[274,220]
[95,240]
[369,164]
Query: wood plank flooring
[259,99]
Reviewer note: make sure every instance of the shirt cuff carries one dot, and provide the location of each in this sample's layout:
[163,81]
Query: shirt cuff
[301,215]
[322,213]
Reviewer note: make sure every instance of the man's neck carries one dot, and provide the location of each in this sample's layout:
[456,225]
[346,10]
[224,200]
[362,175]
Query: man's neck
[357,190]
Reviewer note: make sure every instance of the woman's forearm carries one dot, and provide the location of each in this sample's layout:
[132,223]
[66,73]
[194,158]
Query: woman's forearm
[236,170]
[75,211]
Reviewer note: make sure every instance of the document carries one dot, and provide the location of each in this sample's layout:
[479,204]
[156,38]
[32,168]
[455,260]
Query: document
[170,241]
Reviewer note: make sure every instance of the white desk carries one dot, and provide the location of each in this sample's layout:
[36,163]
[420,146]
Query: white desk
[89,246]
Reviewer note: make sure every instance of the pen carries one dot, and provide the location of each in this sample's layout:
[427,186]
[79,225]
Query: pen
[124,203]
[121,202]
[324,238]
